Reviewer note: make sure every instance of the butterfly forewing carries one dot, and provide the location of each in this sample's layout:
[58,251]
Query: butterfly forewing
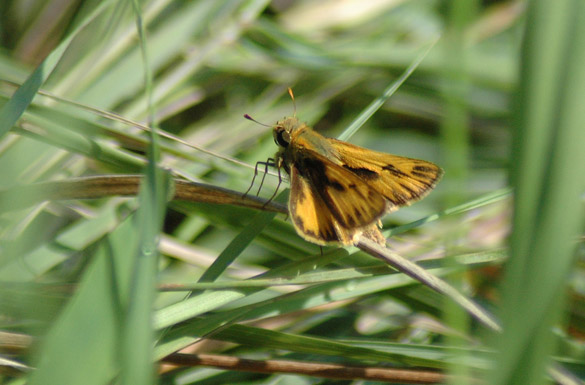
[400,180]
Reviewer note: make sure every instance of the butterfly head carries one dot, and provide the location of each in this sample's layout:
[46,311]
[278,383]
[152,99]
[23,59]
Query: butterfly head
[283,130]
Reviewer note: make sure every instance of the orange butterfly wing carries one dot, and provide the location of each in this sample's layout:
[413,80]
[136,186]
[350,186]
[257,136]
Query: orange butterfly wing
[310,215]
[400,180]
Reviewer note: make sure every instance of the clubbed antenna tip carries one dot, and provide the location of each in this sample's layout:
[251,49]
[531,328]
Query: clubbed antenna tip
[255,121]
[292,96]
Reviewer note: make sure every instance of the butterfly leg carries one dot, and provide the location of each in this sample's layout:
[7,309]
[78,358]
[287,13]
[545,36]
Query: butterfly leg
[277,186]
[269,162]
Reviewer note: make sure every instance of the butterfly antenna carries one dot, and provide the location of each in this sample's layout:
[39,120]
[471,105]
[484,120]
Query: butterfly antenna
[292,96]
[255,121]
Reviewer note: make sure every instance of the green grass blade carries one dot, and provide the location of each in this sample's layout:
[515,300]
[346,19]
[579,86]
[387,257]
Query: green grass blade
[379,101]
[138,333]
[236,246]
[13,110]
[549,185]
[82,344]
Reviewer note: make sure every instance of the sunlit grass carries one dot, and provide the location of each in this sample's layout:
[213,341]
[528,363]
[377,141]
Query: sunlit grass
[69,273]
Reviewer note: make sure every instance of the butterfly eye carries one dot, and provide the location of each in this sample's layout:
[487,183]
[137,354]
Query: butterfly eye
[281,137]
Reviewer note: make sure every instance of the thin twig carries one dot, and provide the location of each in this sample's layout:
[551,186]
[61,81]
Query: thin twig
[324,370]
[125,185]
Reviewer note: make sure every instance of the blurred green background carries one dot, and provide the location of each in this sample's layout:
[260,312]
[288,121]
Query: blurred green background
[495,102]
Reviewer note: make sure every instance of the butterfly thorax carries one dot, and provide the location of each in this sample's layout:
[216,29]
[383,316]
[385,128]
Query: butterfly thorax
[295,138]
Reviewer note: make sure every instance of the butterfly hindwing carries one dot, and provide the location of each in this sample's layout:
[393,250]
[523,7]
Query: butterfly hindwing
[353,203]
[310,215]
